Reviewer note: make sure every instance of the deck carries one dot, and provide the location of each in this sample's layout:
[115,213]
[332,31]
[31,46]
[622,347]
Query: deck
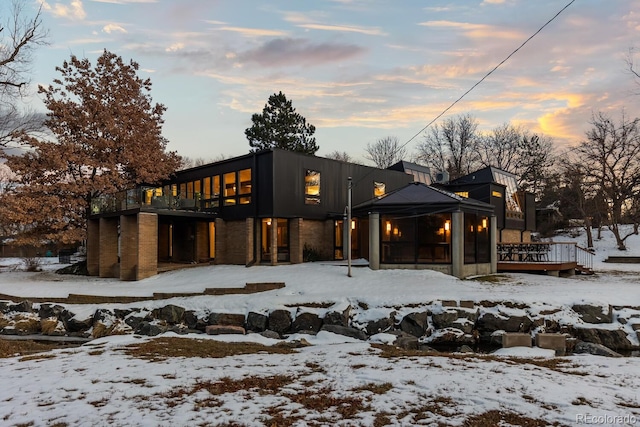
[553,258]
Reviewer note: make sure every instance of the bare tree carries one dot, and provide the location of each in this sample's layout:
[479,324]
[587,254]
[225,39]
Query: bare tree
[451,146]
[631,65]
[19,36]
[535,162]
[385,152]
[611,152]
[500,147]
[343,156]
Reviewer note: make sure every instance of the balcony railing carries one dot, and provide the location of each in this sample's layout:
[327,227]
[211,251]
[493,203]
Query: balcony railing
[545,252]
[161,198]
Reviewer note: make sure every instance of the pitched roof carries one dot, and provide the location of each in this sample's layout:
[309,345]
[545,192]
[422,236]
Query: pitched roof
[422,197]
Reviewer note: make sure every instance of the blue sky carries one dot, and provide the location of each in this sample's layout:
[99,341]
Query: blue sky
[358,70]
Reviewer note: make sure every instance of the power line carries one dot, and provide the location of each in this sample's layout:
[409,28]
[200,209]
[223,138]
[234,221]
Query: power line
[487,75]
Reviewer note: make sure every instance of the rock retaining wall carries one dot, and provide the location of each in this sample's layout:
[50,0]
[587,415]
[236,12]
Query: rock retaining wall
[438,323]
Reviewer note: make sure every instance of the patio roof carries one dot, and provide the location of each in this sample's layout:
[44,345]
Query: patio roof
[423,198]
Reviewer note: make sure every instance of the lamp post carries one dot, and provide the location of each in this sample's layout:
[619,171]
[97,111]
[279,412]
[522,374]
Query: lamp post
[348,225]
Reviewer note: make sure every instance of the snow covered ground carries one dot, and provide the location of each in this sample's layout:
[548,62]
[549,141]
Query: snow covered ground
[336,380]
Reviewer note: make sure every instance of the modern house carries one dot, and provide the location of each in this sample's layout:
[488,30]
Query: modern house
[276,206]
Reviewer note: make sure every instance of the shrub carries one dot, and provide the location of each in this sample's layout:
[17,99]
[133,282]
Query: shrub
[32,264]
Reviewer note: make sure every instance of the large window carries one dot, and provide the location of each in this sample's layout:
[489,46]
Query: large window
[282,239]
[312,187]
[512,197]
[476,239]
[425,239]
[244,177]
[229,183]
[379,189]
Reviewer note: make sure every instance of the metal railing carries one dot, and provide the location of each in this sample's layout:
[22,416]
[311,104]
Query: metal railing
[545,252]
[148,197]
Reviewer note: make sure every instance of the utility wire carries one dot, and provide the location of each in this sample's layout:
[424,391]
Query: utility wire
[487,75]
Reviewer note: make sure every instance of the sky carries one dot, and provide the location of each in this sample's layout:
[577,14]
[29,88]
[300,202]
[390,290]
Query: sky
[358,70]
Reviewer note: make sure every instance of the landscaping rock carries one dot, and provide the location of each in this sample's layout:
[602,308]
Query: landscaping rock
[103,315]
[224,330]
[465,325]
[444,319]
[257,322]
[595,349]
[469,314]
[594,314]
[150,329]
[270,334]
[615,339]
[172,314]
[52,327]
[193,322]
[134,320]
[280,321]
[51,310]
[4,307]
[21,307]
[491,323]
[406,342]
[346,331]
[337,318]
[415,324]
[121,314]
[75,325]
[231,319]
[380,325]
[306,323]
[465,349]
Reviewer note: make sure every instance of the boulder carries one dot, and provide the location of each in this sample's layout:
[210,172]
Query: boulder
[257,322]
[4,307]
[380,325]
[615,339]
[224,330]
[172,314]
[415,324]
[337,318]
[76,325]
[103,315]
[445,319]
[270,334]
[346,331]
[594,314]
[595,349]
[280,321]
[306,323]
[150,329]
[490,322]
[193,322]
[406,342]
[451,336]
[21,307]
[134,320]
[122,313]
[469,314]
[465,349]
[51,310]
[465,325]
[230,319]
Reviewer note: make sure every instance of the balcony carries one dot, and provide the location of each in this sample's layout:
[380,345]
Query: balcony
[152,199]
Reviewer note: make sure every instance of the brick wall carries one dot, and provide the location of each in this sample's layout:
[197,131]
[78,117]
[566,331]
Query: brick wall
[128,247]
[93,247]
[108,262]
[147,245]
[202,241]
[234,241]
[318,235]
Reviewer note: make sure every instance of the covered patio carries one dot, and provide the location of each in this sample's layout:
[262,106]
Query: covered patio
[422,227]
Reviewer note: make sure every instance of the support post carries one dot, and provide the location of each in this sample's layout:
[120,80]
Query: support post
[348,225]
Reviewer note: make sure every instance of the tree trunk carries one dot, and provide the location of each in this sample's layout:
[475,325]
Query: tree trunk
[589,231]
[616,233]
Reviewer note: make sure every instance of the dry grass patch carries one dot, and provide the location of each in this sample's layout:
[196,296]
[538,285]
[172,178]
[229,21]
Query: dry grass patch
[374,388]
[160,349]
[39,356]
[498,418]
[555,364]
[322,401]
[20,348]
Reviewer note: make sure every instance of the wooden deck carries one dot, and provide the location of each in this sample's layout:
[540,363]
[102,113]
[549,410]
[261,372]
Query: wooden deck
[551,268]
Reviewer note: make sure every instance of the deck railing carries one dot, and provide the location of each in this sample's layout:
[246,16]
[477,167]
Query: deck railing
[545,252]
[146,197]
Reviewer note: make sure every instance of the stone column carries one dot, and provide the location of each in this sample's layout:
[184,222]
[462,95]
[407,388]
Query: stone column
[221,247]
[295,241]
[93,247]
[108,262]
[457,244]
[138,246]
[249,242]
[374,241]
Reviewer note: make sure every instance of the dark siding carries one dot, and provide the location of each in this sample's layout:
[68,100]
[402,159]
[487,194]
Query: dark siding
[289,172]
[530,211]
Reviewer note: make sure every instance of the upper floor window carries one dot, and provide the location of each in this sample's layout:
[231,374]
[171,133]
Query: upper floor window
[379,189]
[312,187]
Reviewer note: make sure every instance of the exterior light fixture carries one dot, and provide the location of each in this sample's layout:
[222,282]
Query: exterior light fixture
[353,224]
[388,227]
[447,225]
[484,222]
